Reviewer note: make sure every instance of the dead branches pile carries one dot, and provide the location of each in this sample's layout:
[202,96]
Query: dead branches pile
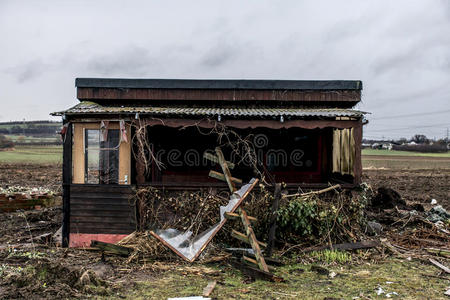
[188,210]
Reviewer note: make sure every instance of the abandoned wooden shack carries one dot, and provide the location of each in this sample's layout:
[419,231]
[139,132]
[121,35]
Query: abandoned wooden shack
[125,133]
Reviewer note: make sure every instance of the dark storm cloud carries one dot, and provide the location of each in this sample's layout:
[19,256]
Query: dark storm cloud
[400,49]
[219,55]
[132,60]
[28,71]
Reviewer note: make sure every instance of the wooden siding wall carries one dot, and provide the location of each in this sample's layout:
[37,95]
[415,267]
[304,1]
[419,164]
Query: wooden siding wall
[351,96]
[98,209]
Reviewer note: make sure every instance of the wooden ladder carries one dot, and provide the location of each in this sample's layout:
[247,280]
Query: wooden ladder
[249,235]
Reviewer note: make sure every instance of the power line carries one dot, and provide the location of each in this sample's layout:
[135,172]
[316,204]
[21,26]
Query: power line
[412,127]
[413,115]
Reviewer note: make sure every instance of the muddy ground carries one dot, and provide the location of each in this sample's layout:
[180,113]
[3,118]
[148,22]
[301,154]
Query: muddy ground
[414,185]
[33,266]
[31,175]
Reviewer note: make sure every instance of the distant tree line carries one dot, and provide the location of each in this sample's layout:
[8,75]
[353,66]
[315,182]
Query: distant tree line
[417,143]
[31,129]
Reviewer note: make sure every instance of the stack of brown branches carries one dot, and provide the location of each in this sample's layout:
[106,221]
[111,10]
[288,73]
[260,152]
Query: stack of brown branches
[422,237]
[188,210]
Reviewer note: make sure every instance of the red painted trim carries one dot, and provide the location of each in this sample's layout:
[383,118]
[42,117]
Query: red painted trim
[80,240]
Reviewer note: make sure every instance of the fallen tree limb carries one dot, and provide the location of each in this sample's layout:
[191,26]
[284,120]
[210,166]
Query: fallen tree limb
[333,187]
[440,266]
[345,246]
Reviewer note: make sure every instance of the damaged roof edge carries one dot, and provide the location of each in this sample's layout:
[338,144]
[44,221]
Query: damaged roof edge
[91,108]
[219,84]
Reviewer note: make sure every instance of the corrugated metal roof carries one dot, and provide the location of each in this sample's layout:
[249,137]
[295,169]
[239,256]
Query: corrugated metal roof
[222,84]
[91,108]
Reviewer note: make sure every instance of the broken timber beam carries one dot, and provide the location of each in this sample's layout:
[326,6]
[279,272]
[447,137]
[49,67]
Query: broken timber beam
[253,241]
[230,215]
[220,176]
[215,159]
[112,248]
[226,171]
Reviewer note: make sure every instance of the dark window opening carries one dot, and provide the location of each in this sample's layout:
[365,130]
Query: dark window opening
[102,157]
[292,155]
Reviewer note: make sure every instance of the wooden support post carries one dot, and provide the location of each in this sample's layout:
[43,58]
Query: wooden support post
[66,181]
[225,170]
[273,219]
[253,241]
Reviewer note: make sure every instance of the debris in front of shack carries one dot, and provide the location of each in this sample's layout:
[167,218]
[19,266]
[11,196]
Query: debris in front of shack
[16,198]
[189,247]
[438,214]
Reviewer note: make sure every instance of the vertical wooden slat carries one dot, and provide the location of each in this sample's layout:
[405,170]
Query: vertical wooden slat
[357,165]
[67,179]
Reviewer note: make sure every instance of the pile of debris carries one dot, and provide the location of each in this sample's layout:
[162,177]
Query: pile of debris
[21,198]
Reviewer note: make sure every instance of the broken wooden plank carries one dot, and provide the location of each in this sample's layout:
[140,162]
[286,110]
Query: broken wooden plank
[253,262]
[273,219]
[336,186]
[215,159]
[111,248]
[255,272]
[239,252]
[220,176]
[209,288]
[345,246]
[237,216]
[253,241]
[440,266]
[241,236]
[226,171]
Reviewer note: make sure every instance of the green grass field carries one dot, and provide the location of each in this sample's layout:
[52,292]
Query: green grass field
[33,155]
[370,158]
[32,139]
[403,153]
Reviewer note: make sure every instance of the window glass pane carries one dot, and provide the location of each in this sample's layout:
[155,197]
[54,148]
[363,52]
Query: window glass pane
[92,140]
[109,158]
[102,158]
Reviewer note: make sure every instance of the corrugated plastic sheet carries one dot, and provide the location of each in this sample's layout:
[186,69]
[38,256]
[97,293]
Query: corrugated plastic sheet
[94,108]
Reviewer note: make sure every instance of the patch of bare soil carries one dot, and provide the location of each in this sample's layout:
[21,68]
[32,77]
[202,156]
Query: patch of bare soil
[31,175]
[417,186]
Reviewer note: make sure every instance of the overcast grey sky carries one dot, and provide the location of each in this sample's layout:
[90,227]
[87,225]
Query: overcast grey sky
[399,49]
